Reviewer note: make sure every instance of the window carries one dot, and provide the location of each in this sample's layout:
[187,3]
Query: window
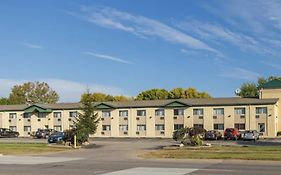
[198,111]
[178,111]
[41,115]
[12,115]
[141,127]
[218,111]
[178,126]
[261,127]
[198,126]
[123,113]
[159,127]
[71,126]
[57,114]
[218,126]
[57,128]
[261,110]
[27,115]
[106,114]
[73,114]
[13,128]
[239,111]
[106,127]
[123,127]
[239,126]
[141,112]
[159,112]
[27,128]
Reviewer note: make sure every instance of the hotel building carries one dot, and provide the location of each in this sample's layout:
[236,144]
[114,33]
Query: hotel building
[155,118]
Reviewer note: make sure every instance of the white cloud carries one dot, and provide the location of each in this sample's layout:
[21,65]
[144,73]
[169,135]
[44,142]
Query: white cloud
[32,46]
[140,26]
[69,91]
[217,33]
[275,66]
[239,73]
[107,57]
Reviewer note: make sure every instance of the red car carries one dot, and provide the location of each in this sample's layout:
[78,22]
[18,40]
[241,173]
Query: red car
[232,133]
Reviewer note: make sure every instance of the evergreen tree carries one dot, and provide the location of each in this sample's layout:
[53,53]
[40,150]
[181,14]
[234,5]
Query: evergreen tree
[87,121]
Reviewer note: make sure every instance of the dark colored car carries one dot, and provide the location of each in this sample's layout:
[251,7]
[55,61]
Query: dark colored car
[4,132]
[57,137]
[232,133]
[43,133]
[213,135]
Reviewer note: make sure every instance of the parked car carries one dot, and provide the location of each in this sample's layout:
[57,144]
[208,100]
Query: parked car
[232,133]
[44,133]
[4,132]
[56,137]
[213,135]
[251,135]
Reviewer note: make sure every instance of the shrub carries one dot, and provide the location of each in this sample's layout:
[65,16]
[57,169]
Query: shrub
[189,136]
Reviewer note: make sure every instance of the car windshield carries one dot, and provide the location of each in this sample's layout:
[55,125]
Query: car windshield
[229,130]
[58,133]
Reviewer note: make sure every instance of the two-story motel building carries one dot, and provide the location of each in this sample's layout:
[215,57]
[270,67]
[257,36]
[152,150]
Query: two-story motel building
[155,118]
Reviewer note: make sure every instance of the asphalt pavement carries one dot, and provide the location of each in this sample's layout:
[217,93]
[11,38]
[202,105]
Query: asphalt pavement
[120,156]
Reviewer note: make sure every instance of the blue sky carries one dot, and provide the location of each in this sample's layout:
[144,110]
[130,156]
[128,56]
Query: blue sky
[124,47]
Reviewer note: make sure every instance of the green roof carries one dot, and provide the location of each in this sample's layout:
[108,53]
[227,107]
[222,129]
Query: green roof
[36,108]
[274,84]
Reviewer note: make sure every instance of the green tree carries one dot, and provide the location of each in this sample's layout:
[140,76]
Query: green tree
[177,93]
[33,92]
[189,136]
[153,94]
[4,101]
[121,98]
[87,121]
[251,90]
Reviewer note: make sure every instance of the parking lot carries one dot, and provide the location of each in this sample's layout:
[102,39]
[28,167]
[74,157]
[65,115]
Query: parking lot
[261,142]
[114,156]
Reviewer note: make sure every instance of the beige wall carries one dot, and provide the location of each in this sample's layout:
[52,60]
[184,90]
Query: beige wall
[228,119]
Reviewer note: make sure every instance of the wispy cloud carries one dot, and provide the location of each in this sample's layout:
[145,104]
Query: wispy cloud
[217,34]
[239,73]
[141,26]
[32,46]
[107,57]
[275,66]
[69,91]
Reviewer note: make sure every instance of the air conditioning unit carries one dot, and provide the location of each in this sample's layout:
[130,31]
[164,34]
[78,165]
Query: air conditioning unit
[125,132]
[242,116]
[125,118]
[161,118]
[257,116]
[59,119]
[175,118]
[10,120]
[138,118]
[162,132]
[215,117]
[102,119]
[200,117]
[39,120]
[102,133]
[28,120]
[69,119]
[137,132]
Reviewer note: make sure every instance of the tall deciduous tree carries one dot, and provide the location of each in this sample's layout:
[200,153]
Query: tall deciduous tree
[251,90]
[101,97]
[153,94]
[4,101]
[87,121]
[33,92]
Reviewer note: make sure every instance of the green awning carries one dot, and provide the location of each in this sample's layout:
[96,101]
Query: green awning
[35,108]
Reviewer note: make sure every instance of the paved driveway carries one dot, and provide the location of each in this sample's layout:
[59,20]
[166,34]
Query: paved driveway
[116,157]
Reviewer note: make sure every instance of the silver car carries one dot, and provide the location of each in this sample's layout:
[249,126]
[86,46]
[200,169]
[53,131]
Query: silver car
[251,135]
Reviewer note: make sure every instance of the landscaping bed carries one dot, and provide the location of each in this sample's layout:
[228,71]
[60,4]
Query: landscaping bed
[218,152]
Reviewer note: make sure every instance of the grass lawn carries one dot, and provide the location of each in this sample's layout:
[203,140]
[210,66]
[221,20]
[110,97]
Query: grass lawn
[16,149]
[220,152]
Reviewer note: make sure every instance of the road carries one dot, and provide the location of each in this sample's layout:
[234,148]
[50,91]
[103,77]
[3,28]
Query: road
[119,157]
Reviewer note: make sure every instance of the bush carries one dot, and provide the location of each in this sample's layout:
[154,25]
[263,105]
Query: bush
[189,136]
[279,133]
